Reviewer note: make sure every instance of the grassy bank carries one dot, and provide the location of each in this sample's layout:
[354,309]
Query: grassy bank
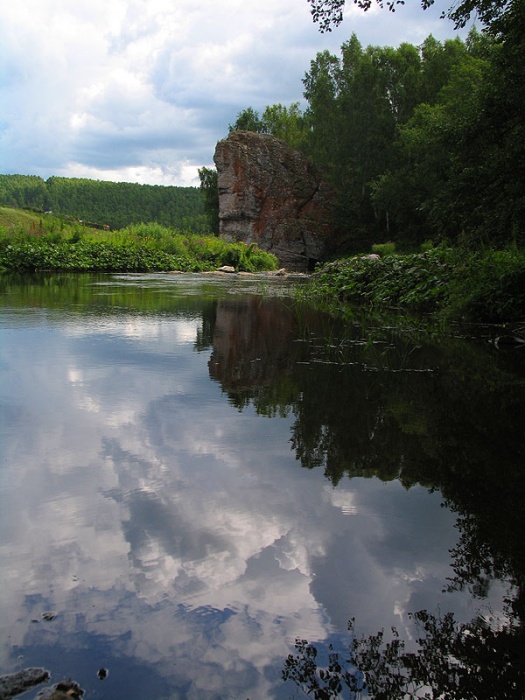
[485,286]
[29,243]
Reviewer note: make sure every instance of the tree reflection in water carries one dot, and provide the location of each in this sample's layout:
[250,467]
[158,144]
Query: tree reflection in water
[445,414]
[452,661]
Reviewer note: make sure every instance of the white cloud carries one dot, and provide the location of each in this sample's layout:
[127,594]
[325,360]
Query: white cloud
[141,90]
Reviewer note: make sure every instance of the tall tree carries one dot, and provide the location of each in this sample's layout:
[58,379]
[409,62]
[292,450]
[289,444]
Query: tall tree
[415,193]
[356,105]
[209,189]
[286,123]
[461,159]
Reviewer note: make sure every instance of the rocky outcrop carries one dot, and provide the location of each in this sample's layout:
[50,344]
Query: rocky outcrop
[272,195]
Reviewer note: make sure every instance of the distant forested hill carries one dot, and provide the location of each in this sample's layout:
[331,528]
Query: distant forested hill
[116,204]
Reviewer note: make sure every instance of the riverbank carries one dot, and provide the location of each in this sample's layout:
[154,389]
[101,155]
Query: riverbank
[49,243]
[451,283]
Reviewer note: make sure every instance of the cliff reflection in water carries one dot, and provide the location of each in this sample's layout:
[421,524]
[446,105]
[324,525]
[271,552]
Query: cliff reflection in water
[253,346]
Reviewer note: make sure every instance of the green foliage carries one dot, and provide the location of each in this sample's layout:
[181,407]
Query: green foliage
[286,123]
[427,140]
[358,105]
[138,248]
[383,249]
[490,286]
[419,281]
[45,254]
[248,120]
[23,191]
[433,184]
[487,286]
[210,192]
[249,258]
[115,204]
[417,141]
[329,13]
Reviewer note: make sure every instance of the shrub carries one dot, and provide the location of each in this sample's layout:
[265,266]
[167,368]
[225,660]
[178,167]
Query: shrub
[260,260]
[384,249]
[490,286]
[487,286]
[129,250]
[250,258]
[418,280]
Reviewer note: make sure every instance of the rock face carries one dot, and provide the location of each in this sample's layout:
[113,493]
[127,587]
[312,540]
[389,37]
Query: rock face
[272,195]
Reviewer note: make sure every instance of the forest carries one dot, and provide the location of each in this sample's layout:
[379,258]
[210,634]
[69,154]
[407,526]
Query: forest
[113,204]
[421,143]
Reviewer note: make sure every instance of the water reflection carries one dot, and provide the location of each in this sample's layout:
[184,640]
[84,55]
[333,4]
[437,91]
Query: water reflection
[166,518]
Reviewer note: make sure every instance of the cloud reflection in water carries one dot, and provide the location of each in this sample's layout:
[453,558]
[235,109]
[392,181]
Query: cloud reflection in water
[176,532]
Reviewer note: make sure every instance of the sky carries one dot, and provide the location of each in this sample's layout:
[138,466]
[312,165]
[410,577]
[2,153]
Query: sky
[142,90]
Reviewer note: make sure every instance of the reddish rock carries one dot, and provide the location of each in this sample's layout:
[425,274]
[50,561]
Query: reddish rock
[272,195]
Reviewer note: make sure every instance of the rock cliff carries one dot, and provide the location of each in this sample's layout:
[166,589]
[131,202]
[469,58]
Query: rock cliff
[272,195]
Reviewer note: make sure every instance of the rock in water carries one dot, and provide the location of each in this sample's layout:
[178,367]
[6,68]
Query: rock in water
[272,195]
[16,683]
[65,690]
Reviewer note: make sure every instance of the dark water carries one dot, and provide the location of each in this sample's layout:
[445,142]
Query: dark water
[195,472]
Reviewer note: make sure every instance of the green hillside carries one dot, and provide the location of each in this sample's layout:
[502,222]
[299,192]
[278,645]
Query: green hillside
[13,218]
[114,204]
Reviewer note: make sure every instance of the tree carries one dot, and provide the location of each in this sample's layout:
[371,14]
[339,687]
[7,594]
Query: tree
[322,114]
[248,120]
[23,191]
[356,105]
[329,13]
[424,195]
[286,123]
[116,204]
[461,157]
[209,189]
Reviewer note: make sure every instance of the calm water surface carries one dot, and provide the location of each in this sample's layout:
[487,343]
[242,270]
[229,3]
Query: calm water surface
[193,475]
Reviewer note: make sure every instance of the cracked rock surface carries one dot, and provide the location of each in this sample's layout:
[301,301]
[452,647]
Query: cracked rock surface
[272,195]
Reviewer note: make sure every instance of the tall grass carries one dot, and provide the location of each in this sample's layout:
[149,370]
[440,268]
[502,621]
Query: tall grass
[53,244]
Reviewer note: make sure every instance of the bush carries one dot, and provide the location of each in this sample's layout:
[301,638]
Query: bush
[250,258]
[490,286]
[418,281]
[486,286]
[142,232]
[384,249]
[141,248]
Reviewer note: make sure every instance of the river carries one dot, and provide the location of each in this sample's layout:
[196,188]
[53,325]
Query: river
[196,471]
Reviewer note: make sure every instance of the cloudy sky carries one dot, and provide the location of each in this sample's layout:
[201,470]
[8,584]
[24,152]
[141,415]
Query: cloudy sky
[141,90]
